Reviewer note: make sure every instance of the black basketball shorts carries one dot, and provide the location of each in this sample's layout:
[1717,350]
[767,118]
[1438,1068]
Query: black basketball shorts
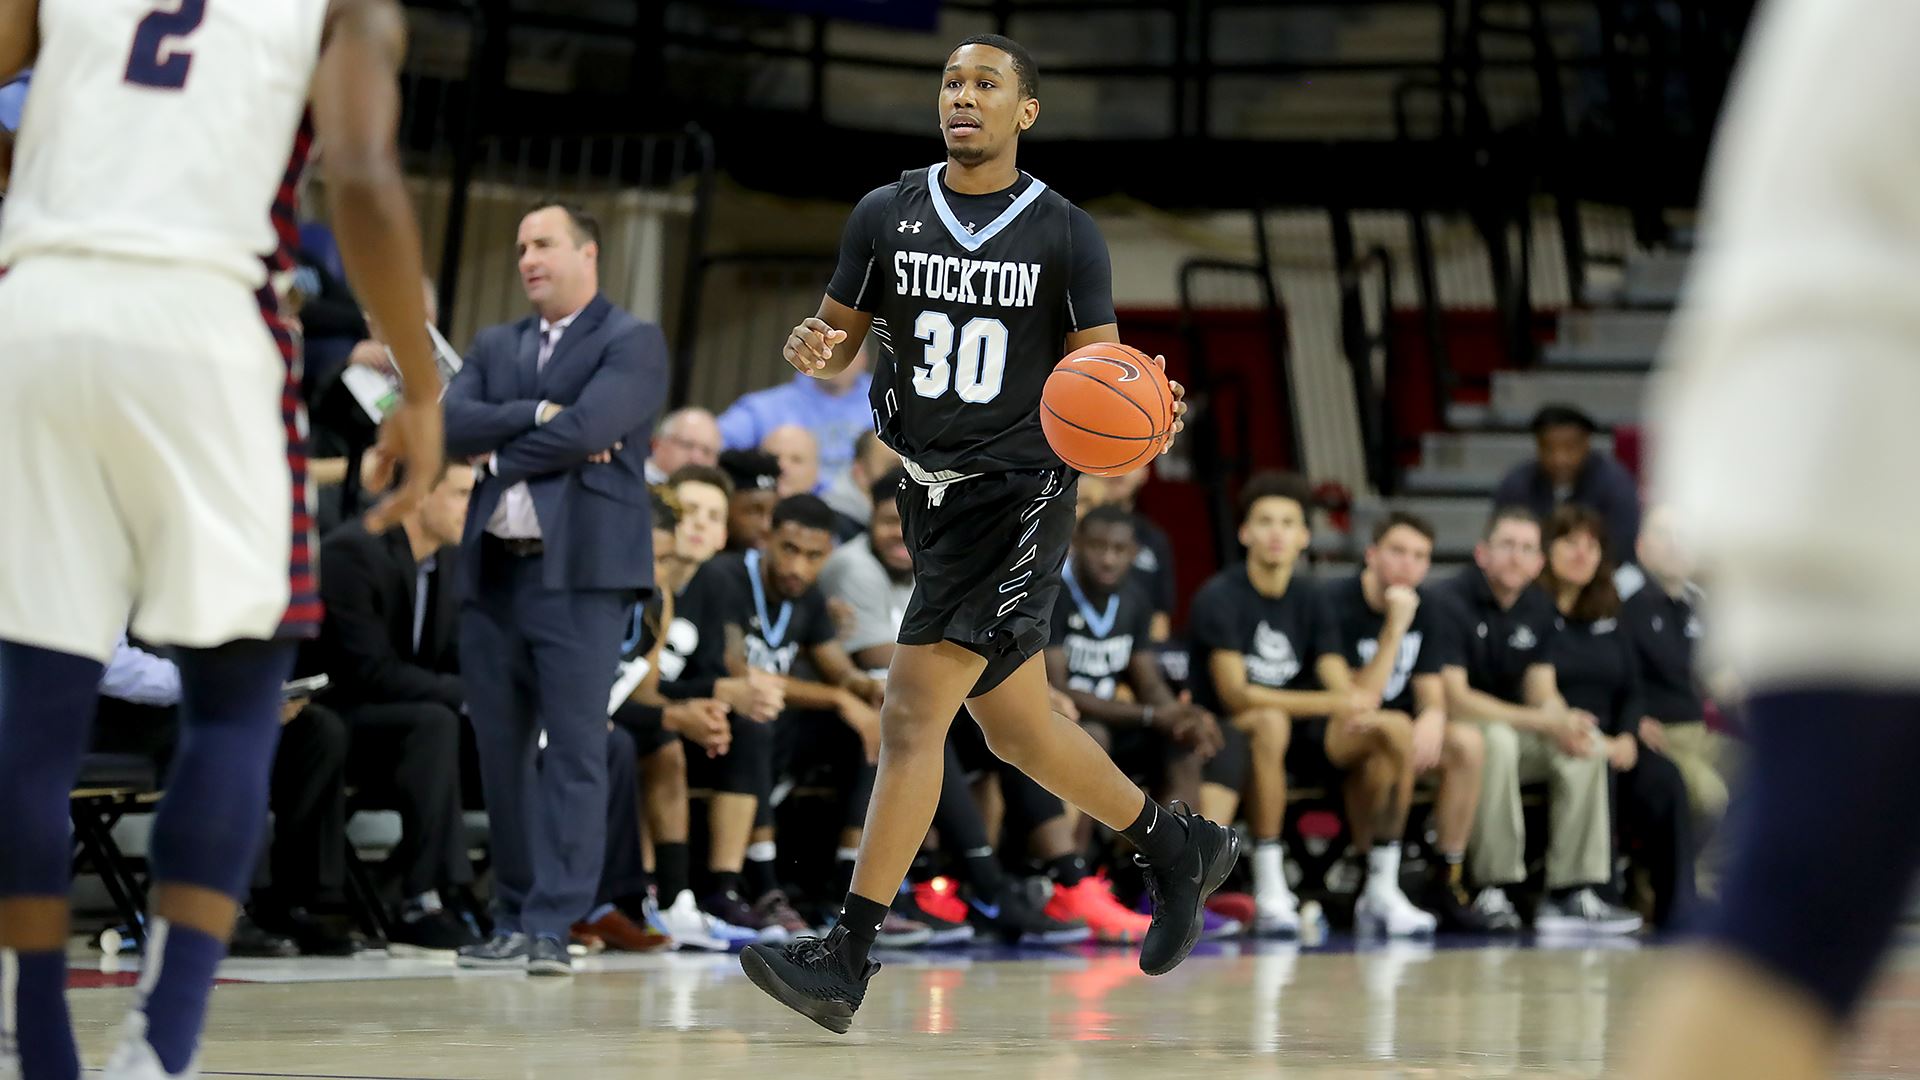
[987,553]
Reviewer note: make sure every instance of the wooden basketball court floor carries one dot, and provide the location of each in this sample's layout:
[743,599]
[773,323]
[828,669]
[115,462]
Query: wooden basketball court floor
[1338,1010]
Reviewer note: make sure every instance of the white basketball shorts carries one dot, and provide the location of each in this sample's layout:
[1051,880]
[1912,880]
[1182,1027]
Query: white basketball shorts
[144,477]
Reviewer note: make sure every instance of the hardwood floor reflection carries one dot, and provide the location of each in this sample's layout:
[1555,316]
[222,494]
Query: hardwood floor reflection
[1387,1010]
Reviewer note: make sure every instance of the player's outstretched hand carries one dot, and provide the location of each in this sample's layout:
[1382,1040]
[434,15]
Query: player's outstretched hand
[811,344]
[414,436]
[1179,405]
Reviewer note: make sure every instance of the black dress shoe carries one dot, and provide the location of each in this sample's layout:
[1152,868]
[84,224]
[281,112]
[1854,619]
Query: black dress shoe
[314,935]
[250,941]
[548,956]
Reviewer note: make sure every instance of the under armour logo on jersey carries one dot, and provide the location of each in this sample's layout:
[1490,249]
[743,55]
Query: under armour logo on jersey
[909,226]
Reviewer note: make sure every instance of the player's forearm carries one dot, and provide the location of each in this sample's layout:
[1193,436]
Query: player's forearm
[1482,707]
[1291,702]
[804,694]
[1117,713]
[356,112]
[1373,678]
[19,36]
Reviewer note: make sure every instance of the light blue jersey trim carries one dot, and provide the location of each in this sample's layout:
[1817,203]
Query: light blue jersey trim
[973,241]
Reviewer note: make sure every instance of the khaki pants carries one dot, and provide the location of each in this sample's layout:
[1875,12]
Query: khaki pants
[1705,758]
[1707,761]
[1580,843]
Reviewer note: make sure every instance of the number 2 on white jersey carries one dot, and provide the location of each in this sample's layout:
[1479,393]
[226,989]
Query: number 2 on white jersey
[158,60]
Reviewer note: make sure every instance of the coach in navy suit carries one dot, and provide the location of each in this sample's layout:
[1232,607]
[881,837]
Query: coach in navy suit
[558,409]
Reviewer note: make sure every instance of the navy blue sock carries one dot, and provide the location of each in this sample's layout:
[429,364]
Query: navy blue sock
[34,1021]
[1824,848]
[47,700]
[208,829]
[176,984]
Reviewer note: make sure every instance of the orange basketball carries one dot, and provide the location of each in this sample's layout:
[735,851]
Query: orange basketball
[1107,409]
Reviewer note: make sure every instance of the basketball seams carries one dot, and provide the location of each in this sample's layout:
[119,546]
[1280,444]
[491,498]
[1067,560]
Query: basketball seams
[1116,391]
[1115,352]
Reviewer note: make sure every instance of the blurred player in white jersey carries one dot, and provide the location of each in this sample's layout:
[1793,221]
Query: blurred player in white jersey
[151,459]
[1788,447]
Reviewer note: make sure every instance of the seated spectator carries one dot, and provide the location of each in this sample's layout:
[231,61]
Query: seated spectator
[1599,671]
[1101,636]
[1567,470]
[660,733]
[691,667]
[1272,664]
[1663,622]
[1499,674]
[1153,565]
[769,608]
[799,455]
[851,495]
[390,645]
[704,496]
[686,436]
[872,576]
[1388,637]
[756,480]
[1101,627]
[835,410]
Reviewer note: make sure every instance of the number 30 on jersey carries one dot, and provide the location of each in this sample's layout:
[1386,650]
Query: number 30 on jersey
[973,365]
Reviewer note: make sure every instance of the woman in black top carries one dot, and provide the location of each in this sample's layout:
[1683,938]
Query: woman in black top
[1597,670]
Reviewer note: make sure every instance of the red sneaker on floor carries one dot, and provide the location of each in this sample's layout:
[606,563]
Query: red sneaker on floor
[940,898]
[1092,900]
[1237,906]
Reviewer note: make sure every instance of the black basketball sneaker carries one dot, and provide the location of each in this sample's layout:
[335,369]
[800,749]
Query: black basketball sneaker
[811,976]
[1179,890]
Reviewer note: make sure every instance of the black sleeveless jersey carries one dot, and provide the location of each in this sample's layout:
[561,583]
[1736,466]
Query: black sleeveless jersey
[969,324]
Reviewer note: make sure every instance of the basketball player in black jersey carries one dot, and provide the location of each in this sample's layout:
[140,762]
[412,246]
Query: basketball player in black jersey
[975,279]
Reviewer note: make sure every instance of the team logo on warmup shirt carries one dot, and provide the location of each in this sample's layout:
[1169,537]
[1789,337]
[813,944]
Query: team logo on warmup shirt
[1523,639]
[1273,662]
[764,657]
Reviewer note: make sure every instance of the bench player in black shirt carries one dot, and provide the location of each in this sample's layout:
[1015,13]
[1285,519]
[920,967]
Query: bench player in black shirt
[771,614]
[975,279]
[1390,640]
[1103,641]
[1266,654]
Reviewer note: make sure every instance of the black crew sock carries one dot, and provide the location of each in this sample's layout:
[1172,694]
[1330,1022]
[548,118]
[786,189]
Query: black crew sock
[1158,834]
[1068,870]
[984,872]
[633,906]
[760,877]
[862,919]
[670,870]
[726,881]
[923,870]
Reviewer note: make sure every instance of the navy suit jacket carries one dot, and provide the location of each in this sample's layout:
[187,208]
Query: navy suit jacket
[610,373]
